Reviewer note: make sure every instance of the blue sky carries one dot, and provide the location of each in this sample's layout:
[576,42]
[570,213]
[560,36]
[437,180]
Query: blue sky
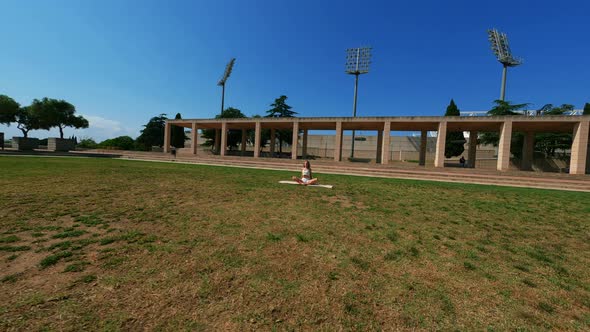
[122,62]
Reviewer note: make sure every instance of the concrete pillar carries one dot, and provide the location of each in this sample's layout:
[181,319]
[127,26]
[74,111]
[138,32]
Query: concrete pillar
[194,138]
[528,150]
[257,140]
[295,140]
[167,138]
[223,145]
[338,142]
[273,142]
[579,148]
[504,146]
[423,143]
[243,145]
[472,152]
[304,145]
[385,152]
[217,143]
[441,141]
[379,146]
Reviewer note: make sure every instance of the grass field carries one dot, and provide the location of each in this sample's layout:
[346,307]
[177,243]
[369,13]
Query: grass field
[105,244]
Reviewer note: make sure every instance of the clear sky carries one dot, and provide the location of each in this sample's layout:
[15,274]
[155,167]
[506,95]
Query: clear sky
[121,62]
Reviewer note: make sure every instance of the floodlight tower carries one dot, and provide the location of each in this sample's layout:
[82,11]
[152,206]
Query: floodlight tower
[357,62]
[228,69]
[500,47]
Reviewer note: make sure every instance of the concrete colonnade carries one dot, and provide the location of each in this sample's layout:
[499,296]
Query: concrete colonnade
[579,126]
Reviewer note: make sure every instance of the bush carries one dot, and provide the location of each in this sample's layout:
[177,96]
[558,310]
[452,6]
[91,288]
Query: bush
[87,143]
[118,143]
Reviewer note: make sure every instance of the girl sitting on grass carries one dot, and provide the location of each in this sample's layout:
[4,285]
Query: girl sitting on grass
[306,177]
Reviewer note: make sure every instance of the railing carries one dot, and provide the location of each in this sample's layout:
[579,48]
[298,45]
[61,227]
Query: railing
[525,112]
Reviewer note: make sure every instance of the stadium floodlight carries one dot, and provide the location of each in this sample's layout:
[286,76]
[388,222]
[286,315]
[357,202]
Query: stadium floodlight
[501,49]
[358,61]
[228,68]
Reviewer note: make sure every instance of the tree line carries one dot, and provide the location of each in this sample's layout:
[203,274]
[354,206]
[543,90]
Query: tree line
[42,114]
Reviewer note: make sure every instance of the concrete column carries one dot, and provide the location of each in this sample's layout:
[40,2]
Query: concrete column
[379,146]
[244,137]
[223,146]
[167,138]
[338,142]
[194,138]
[441,141]
[472,153]
[295,140]
[423,143]
[528,150]
[273,141]
[385,148]
[504,146]
[217,143]
[257,140]
[579,148]
[304,145]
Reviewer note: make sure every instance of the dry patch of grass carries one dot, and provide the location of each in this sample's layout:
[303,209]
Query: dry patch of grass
[110,244]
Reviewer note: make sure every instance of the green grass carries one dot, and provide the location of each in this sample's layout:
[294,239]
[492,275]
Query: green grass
[215,248]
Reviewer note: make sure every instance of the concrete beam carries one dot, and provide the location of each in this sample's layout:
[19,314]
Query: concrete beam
[194,138]
[423,143]
[504,146]
[244,139]
[167,137]
[579,148]
[304,145]
[295,140]
[379,146]
[385,152]
[528,151]
[223,146]
[472,152]
[257,140]
[272,142]
[338,142]
[441,141]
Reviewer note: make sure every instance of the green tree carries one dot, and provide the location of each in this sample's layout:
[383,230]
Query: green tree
[27,119]
[120,143]
[550,143]
[280,109]
[455,142]
[586,109]
[153,133]
[501,108]
[57,113]
[8,110]
[177,135]
[234,137]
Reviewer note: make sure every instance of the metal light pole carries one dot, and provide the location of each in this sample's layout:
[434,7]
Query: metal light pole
[500,47]
[357,62]
[228,69]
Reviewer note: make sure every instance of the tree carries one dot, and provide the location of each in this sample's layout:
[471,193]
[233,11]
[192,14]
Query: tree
[506,108]
[281,109]
[234,137]
[87,143]
[177,135]
[57,113]
[27,119]
[586,109]
[501,108]
[549,143]
[153,133]
[8,110]
[455,142]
